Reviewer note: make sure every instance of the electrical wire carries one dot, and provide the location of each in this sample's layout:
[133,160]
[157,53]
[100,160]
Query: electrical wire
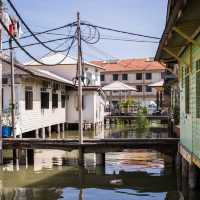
[119,31]
[29,54]
[45,32]
[27,27]
[48,41]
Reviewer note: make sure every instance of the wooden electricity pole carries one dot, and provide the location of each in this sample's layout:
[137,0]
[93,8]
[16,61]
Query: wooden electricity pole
[12,87]
[79,64]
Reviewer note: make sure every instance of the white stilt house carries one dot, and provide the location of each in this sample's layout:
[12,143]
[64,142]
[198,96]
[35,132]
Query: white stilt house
[41,100]
[93,98]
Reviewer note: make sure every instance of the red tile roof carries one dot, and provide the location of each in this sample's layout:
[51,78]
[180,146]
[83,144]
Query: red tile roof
[142,64]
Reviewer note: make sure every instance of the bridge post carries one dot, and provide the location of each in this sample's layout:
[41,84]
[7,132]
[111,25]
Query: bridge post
[36,133]
[49,131]
[100,159]
[43,133]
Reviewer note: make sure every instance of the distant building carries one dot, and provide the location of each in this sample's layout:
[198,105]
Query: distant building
[138,73]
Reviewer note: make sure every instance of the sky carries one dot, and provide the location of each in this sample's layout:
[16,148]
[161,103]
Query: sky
[138,16]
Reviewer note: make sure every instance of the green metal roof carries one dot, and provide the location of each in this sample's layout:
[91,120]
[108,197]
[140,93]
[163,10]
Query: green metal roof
[185,15]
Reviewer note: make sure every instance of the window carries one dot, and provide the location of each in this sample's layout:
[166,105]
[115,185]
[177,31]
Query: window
[54,100]
[102,77]
[63,100]
[139,88]
[44,99]
[148,89]
[28,98]
[148,76]
[198,88]
[4,80]
[115,77]
[139,76]
[125,77]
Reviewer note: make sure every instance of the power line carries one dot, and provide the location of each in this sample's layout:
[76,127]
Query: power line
[27,27]
[48,41]
[119,31]
[45,32]
[29,54]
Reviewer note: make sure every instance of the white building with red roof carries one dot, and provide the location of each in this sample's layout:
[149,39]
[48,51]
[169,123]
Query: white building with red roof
[139,73]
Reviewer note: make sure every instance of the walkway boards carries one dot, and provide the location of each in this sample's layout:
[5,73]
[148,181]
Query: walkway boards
[132,117]
[94,145]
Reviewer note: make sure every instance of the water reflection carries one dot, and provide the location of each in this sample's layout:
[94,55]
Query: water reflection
[128,175]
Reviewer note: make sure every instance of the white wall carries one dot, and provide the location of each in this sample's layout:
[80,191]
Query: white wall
[28,120]
[93,107]
[69,72]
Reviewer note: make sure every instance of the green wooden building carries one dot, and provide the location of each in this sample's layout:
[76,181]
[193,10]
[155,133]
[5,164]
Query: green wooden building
[180,44]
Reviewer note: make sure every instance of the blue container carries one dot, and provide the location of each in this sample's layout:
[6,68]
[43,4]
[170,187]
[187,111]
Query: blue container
[6,131]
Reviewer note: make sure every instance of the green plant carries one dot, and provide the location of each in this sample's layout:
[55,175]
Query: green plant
[142,123]
[126,104]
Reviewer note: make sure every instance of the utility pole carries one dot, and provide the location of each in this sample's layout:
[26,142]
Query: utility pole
[12,87]
[1,146]
[79,80]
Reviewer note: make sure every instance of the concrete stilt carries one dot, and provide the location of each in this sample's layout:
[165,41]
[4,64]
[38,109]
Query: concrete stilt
[81,157]
[184,168]
[168,160]
[192,176]
[178,161]
[49,131]
[30,156]
[58,130]
[43,133]
[63,130]
[100,159]
[36,133]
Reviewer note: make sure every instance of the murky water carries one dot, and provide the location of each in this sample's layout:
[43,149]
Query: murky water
[128,175]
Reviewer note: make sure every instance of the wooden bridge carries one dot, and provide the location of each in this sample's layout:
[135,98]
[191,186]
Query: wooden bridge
[166,145]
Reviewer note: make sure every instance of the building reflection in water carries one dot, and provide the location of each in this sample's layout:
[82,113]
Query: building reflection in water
[132,174]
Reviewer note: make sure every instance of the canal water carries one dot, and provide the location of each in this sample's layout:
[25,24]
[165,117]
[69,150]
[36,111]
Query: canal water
[129,175]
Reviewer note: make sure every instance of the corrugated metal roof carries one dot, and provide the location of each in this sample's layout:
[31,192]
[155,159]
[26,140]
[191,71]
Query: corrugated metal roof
[56,58]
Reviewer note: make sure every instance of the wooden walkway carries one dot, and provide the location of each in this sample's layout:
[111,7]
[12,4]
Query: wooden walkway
[133,117]
[167,145]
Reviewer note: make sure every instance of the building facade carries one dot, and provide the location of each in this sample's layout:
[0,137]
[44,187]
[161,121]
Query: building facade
[40,101]
[139,73]
[182,48]
[93,98]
